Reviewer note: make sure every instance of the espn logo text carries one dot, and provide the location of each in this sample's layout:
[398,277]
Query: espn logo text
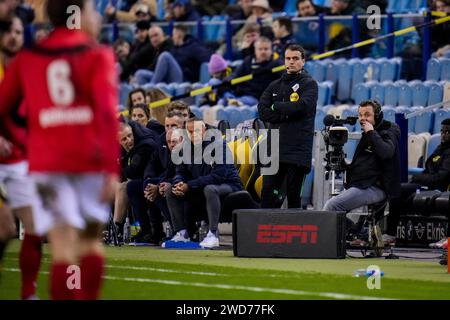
[303,234]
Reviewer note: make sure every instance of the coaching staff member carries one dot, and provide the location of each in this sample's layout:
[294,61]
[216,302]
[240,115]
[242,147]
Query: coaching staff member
[289,105]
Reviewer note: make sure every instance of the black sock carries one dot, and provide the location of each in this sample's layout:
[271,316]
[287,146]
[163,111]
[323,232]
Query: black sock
[2,249]
[119,226]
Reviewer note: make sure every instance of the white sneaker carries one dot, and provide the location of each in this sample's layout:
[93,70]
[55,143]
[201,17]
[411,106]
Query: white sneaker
[181,236]
[438,244]
[210,241]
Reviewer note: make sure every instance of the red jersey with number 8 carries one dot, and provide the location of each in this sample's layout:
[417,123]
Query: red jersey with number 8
[69,87]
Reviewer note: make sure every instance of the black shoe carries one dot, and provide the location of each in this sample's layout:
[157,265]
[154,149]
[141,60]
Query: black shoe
[444,259]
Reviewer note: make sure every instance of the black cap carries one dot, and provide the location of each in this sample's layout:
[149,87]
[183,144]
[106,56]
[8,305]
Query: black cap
[142,25]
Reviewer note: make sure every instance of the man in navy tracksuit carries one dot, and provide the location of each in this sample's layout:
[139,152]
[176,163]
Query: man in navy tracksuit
[197,181]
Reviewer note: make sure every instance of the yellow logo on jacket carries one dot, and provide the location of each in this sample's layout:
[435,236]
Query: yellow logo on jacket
[436,159]
[294,97]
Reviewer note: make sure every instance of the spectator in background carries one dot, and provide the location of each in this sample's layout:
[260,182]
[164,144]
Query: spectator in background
[163,67]
[201,183]
[282,30]
[260,11]
[136,96]
[181,107]
[122,50]
[210,7]
[182,10]
[249,92]
[219,71]
[112,13]
[436,176]
[138,148]
[11,42]
[157,113]
[341,35]
[143,13]
[306,8]
[440,44]
[140,114]
[250,33]
[189,53]
[240,11]
[141,54]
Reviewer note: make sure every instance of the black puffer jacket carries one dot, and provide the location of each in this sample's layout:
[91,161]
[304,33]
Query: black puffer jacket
[294,119]
[437,169]
[135,162]
[377,160]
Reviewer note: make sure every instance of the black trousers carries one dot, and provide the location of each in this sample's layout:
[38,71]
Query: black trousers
[294,175]
[400,206]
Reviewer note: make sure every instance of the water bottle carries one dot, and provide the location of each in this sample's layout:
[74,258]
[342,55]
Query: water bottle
[127,231]
[365,273]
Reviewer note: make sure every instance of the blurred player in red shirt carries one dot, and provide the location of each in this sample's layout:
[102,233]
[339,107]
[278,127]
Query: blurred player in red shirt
[68,84]
[22,195]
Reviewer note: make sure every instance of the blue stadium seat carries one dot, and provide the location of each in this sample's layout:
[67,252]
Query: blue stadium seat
[331,71]
[359,70]
[290,7]
[344,84]
[391,92]
[323,95]
[388,113]
[435,92]
[204,73]
[434,141]
[307,189]
[182,88]
[196,110]
[434,69]
[424,122]
[440,115]
[377,92]
[404,95]
[222,115]
[318,71]
[318,120]
[445,69]
[124,90]
[388,70]
[233,115]
[247,113]
[373,68]
[350,147]
[419,94]
[360,93]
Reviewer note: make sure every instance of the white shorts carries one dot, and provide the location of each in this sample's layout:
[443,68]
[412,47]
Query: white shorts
[18,184]
[69,200]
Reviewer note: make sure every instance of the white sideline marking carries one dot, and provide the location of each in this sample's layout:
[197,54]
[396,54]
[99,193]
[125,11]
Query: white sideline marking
[233,287]
[167,270]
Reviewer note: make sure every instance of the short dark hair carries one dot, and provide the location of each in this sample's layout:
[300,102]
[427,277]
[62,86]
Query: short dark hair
[300,1]
[174,113]
[57,10]
[194,119]
[446,122]
[373,103]
[296,47]
[182,28]
[286,22]
[130,103]
[142,106]
[178,105]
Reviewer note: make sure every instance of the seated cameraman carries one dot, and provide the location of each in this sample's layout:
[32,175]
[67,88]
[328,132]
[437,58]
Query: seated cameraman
[436,176]
[374,173]
[199,182]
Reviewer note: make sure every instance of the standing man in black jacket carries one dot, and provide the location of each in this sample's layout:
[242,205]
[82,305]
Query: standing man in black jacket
[374,173]
[289,105]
